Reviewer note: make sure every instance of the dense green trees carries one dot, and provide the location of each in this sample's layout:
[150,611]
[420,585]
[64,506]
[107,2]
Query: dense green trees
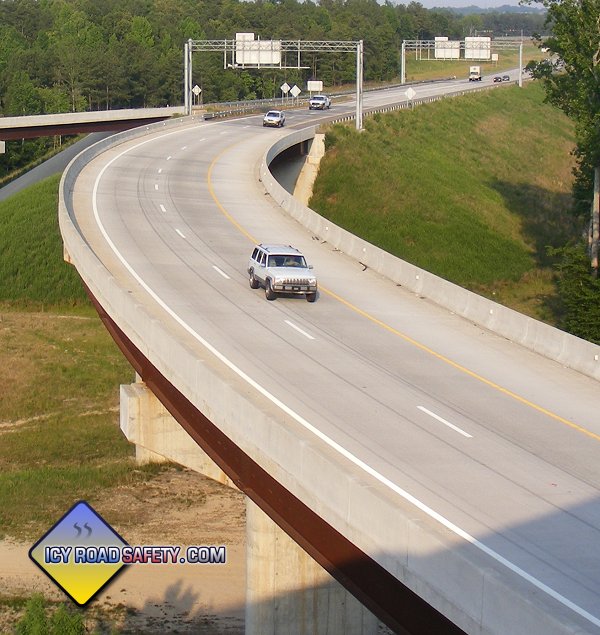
[96,54]
[575,85]
[571,76]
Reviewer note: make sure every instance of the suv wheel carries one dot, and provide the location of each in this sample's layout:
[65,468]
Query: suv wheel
[269,293]
[253,281]
[311,297]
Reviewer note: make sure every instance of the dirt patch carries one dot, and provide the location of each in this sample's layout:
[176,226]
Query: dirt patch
[177,507]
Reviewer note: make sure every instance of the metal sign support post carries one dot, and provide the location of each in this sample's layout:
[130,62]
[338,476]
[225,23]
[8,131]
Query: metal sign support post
[418,45]
[521,65]
[403,63]
[359,85]
[282,48]
[187,76]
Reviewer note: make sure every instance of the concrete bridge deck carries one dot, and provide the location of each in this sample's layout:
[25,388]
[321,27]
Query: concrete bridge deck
[353,442]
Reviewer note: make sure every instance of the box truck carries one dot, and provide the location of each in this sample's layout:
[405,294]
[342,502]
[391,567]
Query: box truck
[475,73]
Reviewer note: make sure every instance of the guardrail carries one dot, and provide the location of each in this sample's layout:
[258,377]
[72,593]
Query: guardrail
[244,106]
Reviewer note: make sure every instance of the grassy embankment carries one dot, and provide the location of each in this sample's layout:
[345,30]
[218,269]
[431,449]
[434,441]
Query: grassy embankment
[59,377]
[473,189]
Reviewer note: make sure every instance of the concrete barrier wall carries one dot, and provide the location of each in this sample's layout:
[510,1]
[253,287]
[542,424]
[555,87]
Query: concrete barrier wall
[546,340]
[425,555]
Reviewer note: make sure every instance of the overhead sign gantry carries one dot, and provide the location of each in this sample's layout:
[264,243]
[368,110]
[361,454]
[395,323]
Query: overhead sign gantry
[246,51]
[471,49]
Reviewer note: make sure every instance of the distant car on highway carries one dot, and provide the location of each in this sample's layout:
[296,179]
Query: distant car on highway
[319,102]
[505,78]
[497,79]
[274,118]
[281,269]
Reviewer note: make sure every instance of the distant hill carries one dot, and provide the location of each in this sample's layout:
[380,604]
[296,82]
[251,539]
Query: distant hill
[505,8]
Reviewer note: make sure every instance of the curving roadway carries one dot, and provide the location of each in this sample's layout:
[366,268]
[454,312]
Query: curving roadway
[496,446]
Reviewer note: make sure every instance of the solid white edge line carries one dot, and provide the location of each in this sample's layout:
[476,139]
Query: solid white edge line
[320,435]
[221,272]
[446,423]
[297,328]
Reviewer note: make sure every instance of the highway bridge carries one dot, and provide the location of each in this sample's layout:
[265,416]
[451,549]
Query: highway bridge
[31,126]
[435,452]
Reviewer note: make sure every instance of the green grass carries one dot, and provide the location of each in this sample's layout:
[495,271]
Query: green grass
[473,189]
[40,616]
[59,376]
[33,273]
[59,434]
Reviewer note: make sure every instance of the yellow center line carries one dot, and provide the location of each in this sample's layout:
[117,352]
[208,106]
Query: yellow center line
[397,333]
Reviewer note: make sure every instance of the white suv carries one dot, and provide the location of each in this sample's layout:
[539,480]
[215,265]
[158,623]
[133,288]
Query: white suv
[281,269]
[319,102]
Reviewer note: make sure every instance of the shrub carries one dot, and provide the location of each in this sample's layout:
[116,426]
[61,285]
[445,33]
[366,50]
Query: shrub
[62,621]
[579,292]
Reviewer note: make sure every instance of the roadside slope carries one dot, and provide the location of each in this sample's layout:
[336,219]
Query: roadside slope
[471,189]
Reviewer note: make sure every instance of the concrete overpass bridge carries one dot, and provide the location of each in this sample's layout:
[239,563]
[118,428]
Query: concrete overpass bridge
[30,126]
[435,453]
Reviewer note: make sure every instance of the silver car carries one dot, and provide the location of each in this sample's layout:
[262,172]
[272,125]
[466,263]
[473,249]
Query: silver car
[281,269]
[274,118]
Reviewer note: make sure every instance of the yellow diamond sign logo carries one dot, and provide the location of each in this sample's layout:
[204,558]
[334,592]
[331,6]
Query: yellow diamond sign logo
[81,553]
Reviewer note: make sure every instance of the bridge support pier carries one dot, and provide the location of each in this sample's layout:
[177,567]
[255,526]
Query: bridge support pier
[288,592]
[158,437]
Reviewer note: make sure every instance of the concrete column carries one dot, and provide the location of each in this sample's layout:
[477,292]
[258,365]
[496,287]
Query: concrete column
[310,169]
[158,437]
[288,593]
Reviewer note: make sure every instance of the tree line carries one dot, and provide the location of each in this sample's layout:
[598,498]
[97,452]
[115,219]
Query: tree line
[67,55]
[74,55]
